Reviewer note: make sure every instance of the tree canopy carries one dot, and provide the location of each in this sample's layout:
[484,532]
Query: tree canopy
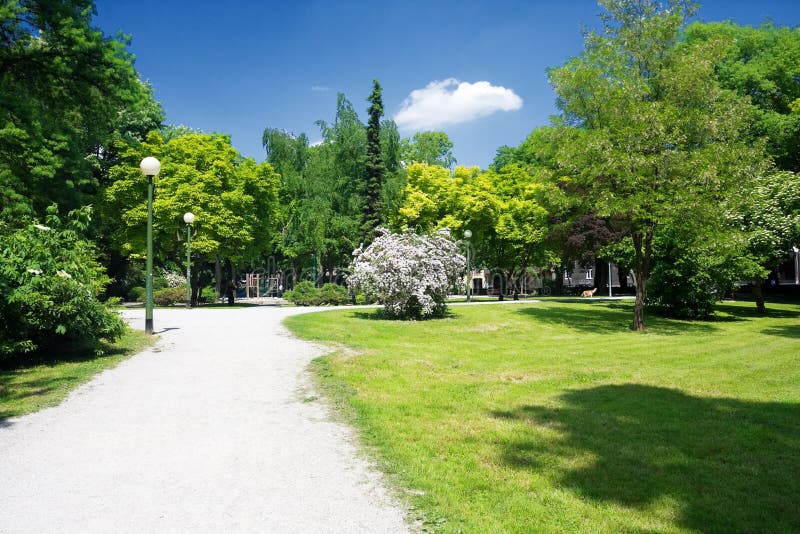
[66,92]
[649,136]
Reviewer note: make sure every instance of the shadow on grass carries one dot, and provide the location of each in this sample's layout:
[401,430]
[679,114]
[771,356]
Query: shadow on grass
[731,465]
[379,314]
[787,330]
[604,317]
[73,352]
[741,311]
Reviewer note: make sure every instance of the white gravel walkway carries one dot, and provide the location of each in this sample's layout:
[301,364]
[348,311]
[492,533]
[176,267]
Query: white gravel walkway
[207,432]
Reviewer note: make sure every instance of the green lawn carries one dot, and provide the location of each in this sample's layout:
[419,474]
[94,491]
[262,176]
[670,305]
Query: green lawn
[30,385]
[554,417]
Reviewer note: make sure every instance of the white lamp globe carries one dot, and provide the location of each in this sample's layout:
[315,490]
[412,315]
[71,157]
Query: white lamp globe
[467,233]
[188,217]
[150,166]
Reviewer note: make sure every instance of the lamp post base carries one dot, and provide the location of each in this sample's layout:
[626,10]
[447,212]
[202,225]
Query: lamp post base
[148,326]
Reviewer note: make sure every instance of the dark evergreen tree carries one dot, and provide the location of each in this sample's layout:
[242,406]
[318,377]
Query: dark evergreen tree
[375,168]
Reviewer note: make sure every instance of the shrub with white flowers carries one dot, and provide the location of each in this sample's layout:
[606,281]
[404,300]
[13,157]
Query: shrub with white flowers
[173,279]
[409,274]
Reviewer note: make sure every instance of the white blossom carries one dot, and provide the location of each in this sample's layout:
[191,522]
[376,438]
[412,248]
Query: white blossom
[63,274]
[35,271]
[409,274]
[173,279]
[41,227]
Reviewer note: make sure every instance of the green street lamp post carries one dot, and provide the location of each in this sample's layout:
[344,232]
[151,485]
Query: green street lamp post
[150,167]
[467,236]
[188,218]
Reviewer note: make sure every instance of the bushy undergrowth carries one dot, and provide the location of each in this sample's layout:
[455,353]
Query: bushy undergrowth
[306,294]
[169,296]
[50,281]
[688,280]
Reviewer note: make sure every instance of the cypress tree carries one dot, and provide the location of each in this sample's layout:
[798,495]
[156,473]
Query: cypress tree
[376,170]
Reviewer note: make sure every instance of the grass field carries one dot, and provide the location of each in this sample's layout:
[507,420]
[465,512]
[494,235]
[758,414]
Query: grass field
[555,417]
[30,385]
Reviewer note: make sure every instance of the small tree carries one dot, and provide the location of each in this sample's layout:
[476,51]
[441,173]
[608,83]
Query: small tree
[409,274]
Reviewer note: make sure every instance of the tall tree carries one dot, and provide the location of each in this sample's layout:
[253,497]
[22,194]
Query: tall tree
[650,136]
[376,170]
[433,148]
[233,198]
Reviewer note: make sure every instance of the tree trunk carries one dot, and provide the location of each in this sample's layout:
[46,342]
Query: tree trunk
[559,281]
[218,277]
[231,286]
[599,273]
[758,294]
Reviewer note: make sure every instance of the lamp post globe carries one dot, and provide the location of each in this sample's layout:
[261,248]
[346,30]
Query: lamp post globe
[150,167]
[188,218]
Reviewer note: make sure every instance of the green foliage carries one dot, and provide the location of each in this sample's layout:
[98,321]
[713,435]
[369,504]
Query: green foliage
[208,294]
[49,286]
[375,168]
[304,294]
[649,135]
[762,63]
[506,210]
[66,92]
[169,296]
[233,198]
[137,294]
[690,275]
[432,148]
[333,294]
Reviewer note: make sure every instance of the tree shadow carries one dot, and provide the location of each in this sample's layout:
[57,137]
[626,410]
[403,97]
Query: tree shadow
[743,312]
[787,330]
[731,465]
[604,317]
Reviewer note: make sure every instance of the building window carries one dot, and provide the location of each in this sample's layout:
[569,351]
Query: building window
[589,274]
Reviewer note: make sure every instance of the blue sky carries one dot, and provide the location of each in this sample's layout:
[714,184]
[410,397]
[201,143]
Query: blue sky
[242,66]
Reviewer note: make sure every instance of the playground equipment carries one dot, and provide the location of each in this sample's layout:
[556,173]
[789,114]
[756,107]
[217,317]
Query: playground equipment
[261,285]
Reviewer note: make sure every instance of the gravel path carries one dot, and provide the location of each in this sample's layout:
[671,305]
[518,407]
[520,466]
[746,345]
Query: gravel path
[207,432]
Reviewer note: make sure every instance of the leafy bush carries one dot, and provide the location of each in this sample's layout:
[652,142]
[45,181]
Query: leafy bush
[409,274]
[49,286]
[208,294]
[169,296]
[304,294]
[333,294]
[691,275]
[137,294]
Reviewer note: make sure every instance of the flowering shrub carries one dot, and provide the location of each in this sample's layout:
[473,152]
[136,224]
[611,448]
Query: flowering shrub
[49,283]
[409,274]
[173,279]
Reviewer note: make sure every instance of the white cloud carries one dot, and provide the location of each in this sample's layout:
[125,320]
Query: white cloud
[320,88]
[452,101]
